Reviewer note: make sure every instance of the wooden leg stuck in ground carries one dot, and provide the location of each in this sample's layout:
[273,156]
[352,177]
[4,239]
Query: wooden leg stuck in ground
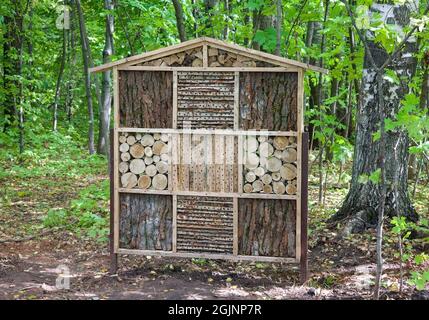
[304,209]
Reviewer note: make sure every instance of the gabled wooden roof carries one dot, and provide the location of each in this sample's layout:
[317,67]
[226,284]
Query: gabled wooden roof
[162,52]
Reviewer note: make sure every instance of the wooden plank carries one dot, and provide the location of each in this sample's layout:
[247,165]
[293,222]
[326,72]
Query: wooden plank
[209,193]
[174,99]
[236,100]
[240,164]
[219,166]
[206,256]
[300,127]
[267,196]
[304,209]
[113,255]
[174,243]
[224,132]
[115,151]
[205,56]
[209,69]
[235,226]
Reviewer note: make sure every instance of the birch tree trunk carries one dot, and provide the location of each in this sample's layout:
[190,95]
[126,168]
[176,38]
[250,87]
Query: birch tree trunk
[362,203]
[85,52]
[106,95]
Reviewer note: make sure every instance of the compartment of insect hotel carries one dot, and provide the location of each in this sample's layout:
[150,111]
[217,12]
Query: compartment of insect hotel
[144,160]
[269,164]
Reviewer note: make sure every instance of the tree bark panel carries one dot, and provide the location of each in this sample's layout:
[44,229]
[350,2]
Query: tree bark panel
[204,224]
[146,99]
[268,101]
[267,227]
[146,222]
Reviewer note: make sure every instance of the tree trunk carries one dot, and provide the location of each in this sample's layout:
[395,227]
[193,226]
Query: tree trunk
[58,84]
[85,57]
[179,20]
[11,65]
[106,95]
[278,26]
[362,204]
[209,6]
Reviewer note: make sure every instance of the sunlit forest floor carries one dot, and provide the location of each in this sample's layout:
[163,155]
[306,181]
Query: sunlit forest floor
[54,211]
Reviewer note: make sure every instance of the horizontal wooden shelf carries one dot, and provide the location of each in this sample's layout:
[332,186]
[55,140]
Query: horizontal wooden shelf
[206,255]
[211,194]
[226,132]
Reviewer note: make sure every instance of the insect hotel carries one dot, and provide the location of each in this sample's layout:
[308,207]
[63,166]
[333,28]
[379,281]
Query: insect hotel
[209,156]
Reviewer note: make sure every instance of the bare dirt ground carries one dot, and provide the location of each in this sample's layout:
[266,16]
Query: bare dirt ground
[340,268]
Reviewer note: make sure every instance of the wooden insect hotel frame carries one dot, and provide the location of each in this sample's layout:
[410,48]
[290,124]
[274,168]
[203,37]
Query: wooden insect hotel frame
[208,154]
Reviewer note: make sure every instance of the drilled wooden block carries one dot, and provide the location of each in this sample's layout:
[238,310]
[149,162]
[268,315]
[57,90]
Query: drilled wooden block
[206,163]
[205,224]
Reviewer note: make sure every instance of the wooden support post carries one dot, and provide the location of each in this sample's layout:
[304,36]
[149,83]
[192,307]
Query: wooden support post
[113,255]
[304,208]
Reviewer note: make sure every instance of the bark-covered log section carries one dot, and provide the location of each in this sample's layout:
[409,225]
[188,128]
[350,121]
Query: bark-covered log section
[204,224]
[145,222]
[268,101]
[270,164]
[146,99]
[266,227]
[205,100]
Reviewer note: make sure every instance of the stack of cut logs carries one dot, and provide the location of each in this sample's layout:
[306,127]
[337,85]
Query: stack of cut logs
[194,58]
[220,58]
[144,160]
[269,164]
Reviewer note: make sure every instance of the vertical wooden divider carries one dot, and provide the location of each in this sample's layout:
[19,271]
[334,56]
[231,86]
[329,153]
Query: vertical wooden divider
[205,56]
[174,162]
[300,124]
[239,157]
[235,226]
[174,226]
[236,100]
[174,99]
[115,151]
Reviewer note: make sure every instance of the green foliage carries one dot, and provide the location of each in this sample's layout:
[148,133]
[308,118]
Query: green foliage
[403,228]
[87,215]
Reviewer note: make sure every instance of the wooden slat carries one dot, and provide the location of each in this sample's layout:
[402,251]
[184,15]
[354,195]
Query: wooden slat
[206,256]
[174,99]
[195,100]
[209,69]
[116,156]
[205,56]
[205,224]
[208,131]
[235,226]
[300,129]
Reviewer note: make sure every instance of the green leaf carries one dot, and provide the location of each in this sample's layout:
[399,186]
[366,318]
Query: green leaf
[375,176]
